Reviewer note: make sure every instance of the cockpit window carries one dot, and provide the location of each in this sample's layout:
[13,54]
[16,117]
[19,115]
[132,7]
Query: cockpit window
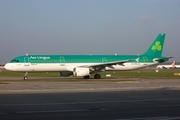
[14,60]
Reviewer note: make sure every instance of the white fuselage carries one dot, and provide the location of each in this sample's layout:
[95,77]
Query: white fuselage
[28,67]
[168,67]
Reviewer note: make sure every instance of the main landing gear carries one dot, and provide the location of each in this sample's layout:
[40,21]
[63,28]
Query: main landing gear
[97,76]
[25,76]
[86,77]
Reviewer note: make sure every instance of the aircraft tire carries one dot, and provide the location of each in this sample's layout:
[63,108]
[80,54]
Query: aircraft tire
[25,77]
[97,76]
[86,77]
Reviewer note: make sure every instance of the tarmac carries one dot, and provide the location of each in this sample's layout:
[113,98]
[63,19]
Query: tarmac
[127,100]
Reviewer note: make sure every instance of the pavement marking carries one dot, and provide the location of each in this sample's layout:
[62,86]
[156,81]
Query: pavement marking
[146,118]
[52,111]
[177,105]
[94,102]
[35,90]
[154,118]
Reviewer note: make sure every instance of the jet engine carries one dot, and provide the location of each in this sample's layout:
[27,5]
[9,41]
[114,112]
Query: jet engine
[65,74]
[81,71]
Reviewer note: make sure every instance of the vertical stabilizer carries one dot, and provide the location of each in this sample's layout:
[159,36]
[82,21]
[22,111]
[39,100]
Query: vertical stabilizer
[156,47]
[174,63]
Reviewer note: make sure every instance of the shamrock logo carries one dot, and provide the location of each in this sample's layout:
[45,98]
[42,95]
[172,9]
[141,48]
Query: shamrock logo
[157,46]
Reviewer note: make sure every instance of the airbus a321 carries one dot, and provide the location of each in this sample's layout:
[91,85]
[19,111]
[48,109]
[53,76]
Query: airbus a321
[84,65]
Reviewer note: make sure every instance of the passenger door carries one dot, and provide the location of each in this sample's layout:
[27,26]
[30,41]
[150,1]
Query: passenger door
[26,61]
[62,61]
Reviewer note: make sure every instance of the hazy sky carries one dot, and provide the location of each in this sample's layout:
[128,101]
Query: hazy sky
[87,27]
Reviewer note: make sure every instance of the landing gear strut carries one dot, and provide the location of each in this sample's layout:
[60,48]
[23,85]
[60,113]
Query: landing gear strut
[25,76]
[97,76]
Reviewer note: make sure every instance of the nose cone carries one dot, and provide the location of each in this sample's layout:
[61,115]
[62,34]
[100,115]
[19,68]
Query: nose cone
[8,66]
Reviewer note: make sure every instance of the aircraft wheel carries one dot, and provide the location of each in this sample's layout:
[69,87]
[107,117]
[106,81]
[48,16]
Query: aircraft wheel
[25,77]
[97,76]
[86,77]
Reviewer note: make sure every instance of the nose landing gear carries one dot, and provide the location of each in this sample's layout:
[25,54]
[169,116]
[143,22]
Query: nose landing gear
[25,76]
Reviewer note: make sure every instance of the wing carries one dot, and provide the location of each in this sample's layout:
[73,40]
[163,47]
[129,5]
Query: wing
[99,67]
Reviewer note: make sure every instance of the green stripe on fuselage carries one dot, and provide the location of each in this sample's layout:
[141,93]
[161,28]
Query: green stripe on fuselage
[81,58]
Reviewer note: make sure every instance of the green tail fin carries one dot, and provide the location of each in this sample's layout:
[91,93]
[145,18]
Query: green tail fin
[156,47]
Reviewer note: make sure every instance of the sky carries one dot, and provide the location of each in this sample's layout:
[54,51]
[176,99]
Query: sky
[87,27]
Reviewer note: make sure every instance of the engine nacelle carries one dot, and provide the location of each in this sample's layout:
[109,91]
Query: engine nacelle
[81,71]
[65,74]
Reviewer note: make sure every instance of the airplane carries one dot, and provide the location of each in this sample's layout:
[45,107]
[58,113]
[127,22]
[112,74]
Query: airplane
[172,66]
[1,67]
[85,65]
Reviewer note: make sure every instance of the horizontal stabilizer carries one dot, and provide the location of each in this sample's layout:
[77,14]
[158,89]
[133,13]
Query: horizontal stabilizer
[160,60]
